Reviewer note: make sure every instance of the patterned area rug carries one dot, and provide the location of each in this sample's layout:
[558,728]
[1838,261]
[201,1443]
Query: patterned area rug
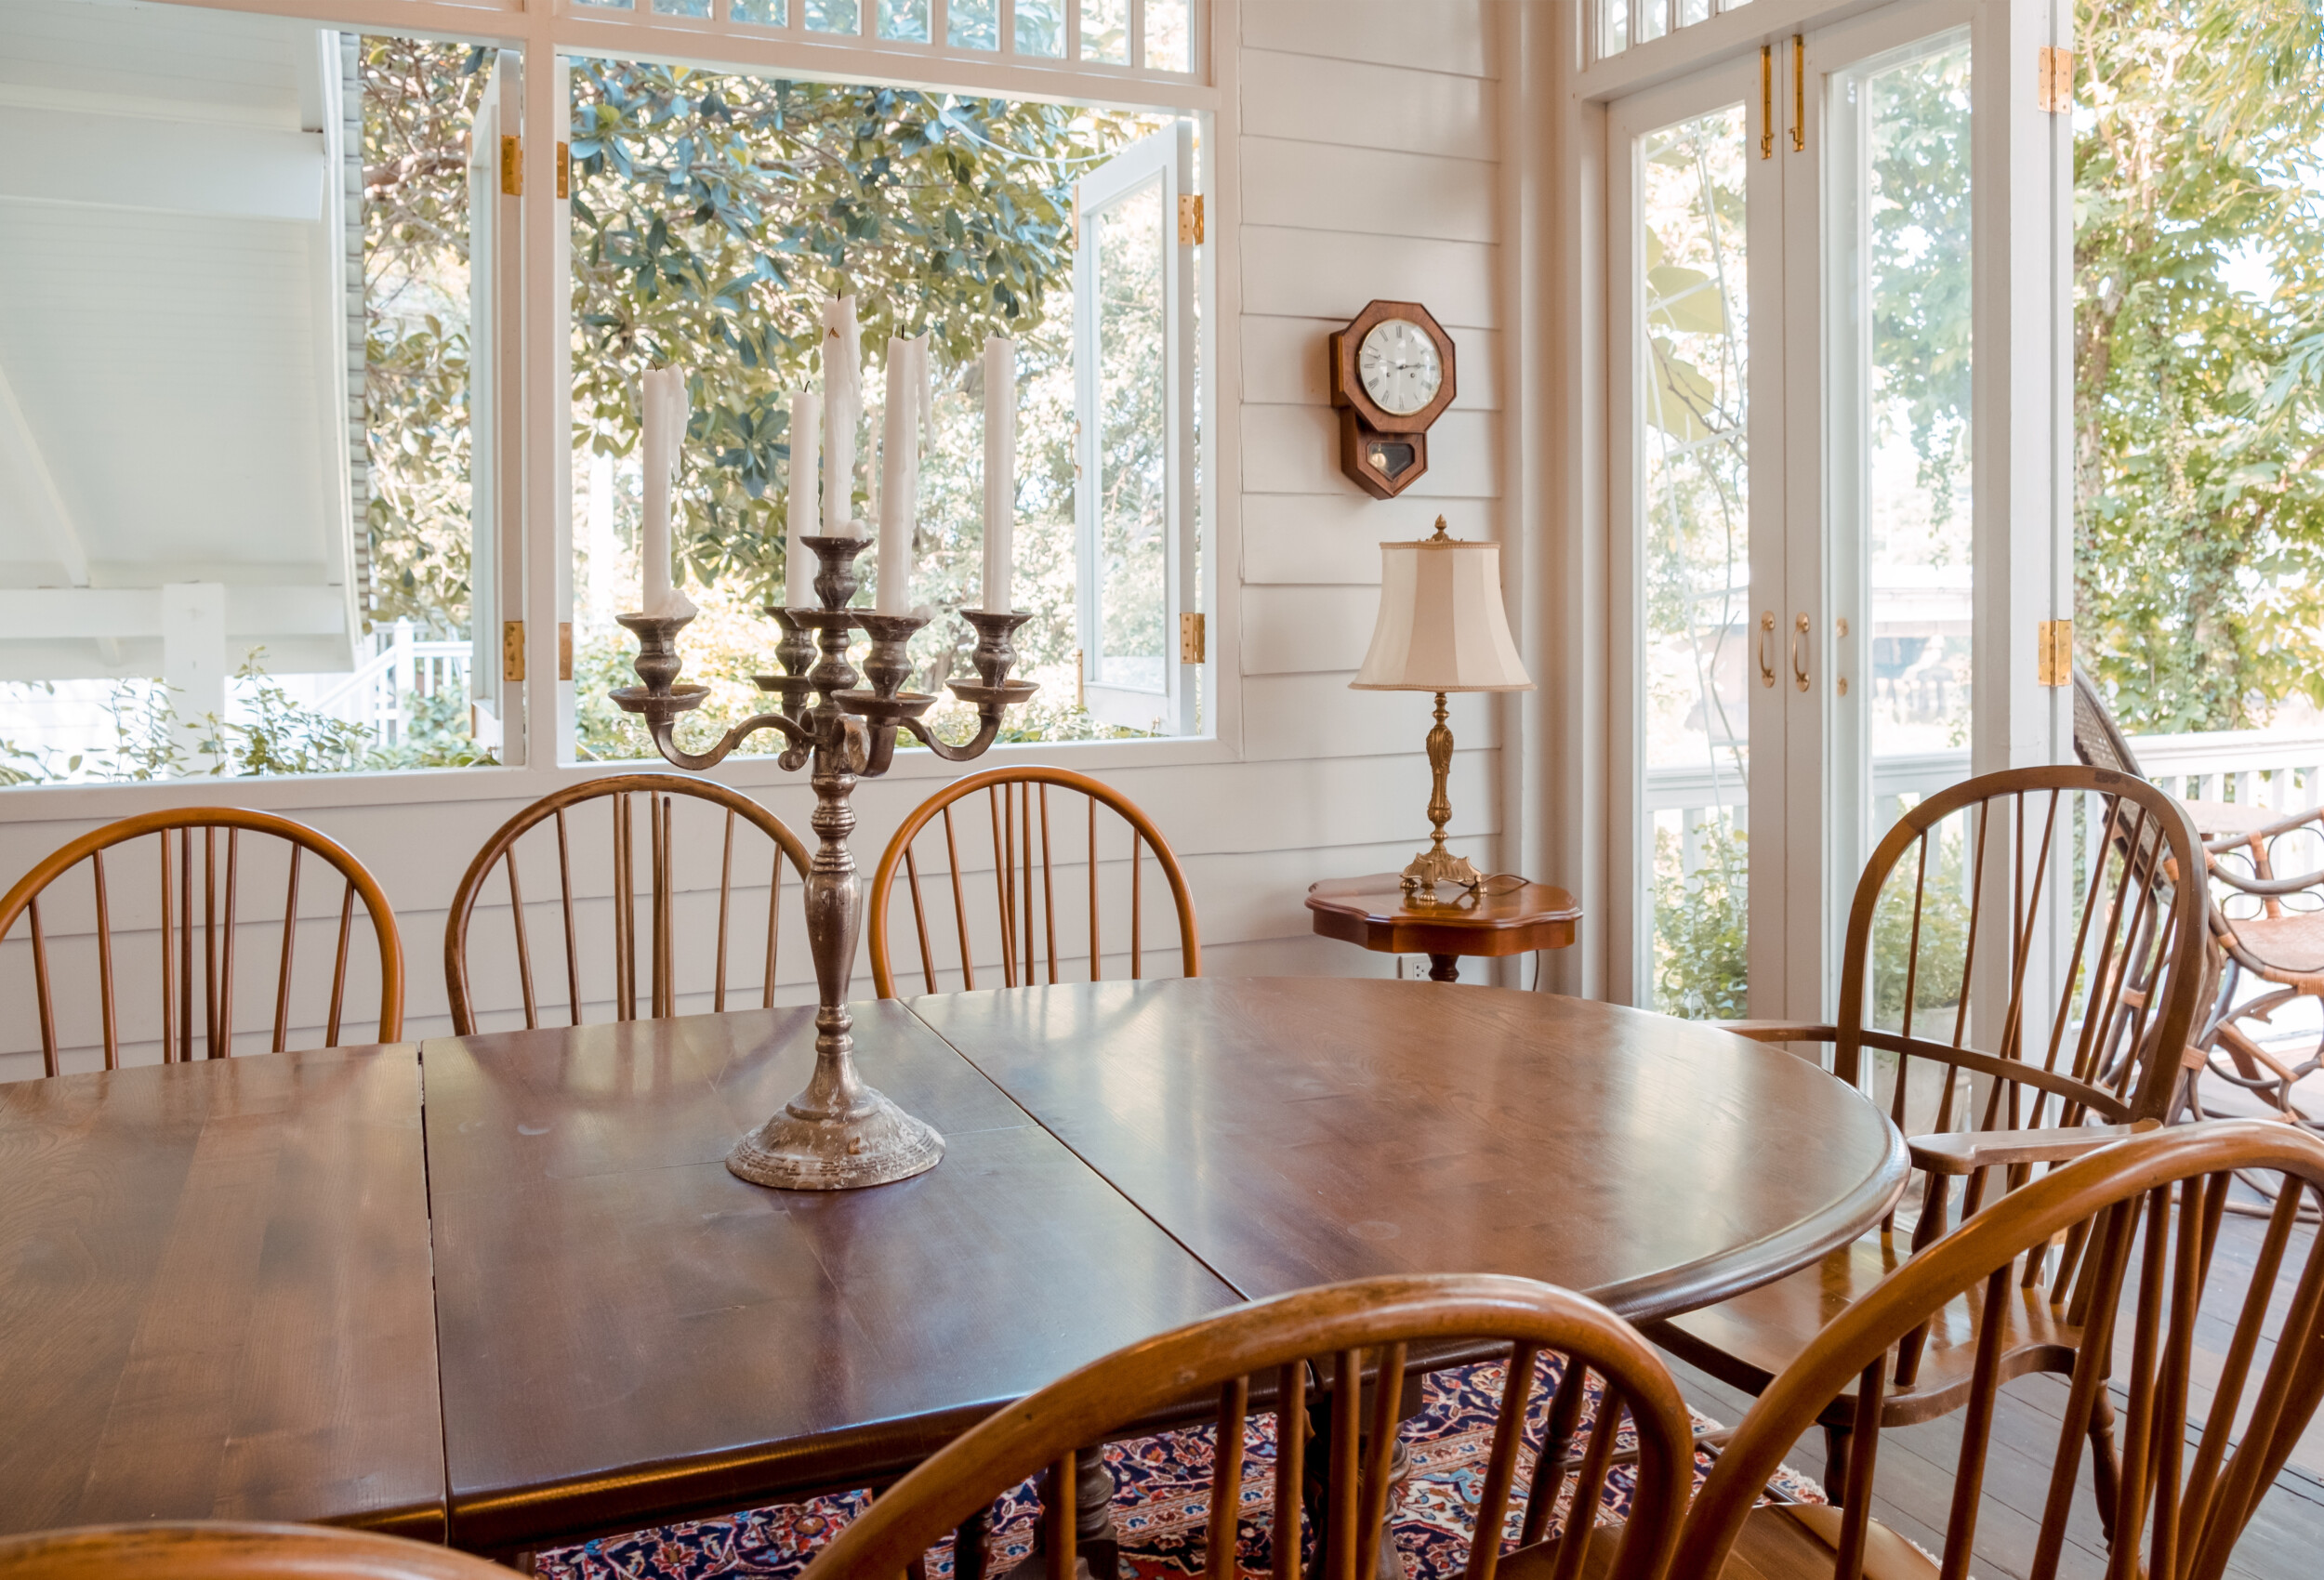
[1161,1502]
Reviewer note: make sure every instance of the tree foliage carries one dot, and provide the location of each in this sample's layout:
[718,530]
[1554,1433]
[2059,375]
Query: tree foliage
[2199,405]
[711,214]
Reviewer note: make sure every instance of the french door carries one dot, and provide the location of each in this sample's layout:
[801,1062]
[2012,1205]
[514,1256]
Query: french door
[1792,266]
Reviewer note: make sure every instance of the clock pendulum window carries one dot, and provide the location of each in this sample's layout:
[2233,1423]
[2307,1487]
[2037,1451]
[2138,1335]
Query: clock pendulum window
[1392,376]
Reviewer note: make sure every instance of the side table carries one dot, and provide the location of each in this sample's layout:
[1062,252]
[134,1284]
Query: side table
[1374,911]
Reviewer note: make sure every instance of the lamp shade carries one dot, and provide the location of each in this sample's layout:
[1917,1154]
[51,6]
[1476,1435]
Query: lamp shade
[1441,623]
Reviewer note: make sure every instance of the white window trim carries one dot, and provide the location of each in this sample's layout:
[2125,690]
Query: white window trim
[551,31]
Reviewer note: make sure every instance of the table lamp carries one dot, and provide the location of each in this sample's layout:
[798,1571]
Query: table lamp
[1441,629]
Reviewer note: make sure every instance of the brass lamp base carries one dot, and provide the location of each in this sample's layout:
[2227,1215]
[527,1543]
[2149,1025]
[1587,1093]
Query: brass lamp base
[1437,865]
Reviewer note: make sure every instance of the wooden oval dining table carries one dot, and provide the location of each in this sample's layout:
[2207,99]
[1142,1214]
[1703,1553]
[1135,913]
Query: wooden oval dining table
[624,1334]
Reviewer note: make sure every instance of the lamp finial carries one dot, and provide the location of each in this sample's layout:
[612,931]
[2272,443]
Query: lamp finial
[1442,536]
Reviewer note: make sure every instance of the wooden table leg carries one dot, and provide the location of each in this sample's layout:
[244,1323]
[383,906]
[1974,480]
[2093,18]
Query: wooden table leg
[1443,967]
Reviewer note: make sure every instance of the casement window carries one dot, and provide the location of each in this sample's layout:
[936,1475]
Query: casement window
[428,577]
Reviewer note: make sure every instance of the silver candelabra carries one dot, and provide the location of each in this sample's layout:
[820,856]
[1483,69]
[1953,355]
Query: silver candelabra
[837,1133]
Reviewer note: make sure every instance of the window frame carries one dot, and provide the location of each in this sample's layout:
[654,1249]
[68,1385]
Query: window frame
[536,401]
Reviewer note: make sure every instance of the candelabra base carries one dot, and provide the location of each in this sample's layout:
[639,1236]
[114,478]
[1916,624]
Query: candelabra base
[877,1143]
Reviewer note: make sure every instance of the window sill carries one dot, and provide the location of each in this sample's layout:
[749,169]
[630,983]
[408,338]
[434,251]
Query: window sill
[291,792]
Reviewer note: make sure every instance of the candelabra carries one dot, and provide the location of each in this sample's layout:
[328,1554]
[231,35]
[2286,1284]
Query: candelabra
[837,1133]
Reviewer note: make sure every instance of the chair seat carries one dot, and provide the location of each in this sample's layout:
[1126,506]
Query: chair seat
[1782,1541]
[2293,943]
[1745,1341]
[2216,819]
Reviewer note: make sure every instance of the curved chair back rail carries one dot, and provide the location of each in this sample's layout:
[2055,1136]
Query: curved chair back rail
[1266,1349]
[196,924]
[1024,887]
[223,1550]
[1945,970]
[2139,1219]
[663,795]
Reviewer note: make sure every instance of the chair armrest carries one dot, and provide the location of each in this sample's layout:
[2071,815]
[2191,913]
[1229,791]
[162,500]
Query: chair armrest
[1778,1030]
[1964,1152]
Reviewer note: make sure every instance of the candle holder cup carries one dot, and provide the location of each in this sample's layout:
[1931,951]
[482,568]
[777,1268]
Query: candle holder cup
[837,1133]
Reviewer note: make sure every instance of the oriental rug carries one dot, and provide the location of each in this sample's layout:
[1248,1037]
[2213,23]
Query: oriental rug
[1161,1503]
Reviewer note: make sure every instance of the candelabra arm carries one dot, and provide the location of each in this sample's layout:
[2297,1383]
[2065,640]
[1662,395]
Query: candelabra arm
[664,733]
[987,732]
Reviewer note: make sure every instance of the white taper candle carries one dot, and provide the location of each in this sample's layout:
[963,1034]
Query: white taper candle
[899,476]
[800,519]
[663,411]
[1000,468]
[842,404]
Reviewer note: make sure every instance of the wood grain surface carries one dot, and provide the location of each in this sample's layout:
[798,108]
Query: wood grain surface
[214,1295]
[630,1332]
[1376,912]
[1293,1131]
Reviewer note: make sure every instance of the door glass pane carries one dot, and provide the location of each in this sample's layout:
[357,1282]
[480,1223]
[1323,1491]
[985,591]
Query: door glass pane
[1040,28]
[1696,529]
[1899,441]
[1132,433]
[973,24]
[904,19]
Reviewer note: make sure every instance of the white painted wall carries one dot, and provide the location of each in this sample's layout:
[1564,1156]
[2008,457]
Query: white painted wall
[1358,159]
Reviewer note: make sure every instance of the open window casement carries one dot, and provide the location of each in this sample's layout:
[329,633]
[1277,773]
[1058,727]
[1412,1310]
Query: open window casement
[495,470]
[1134,409]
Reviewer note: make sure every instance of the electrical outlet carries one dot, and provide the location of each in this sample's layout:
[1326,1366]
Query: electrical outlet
[1412,967]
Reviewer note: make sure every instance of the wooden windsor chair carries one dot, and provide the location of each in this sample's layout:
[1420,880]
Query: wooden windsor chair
[228,1550]
[663,795]
[2267,928]
[1295,1352]
[1958,905]
[182,941]
[1017,821]
[2122,1237]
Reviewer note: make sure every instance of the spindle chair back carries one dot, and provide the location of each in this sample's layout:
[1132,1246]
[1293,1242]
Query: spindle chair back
[1285,1354]
[999,862]
[181,943]
[2027,964]
[556,818]
[2214,1387]
[232,1550]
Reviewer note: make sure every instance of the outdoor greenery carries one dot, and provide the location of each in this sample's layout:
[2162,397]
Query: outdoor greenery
[2199,357]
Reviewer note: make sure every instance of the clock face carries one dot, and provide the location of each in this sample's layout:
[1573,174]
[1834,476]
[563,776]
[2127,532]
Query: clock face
[1398,364]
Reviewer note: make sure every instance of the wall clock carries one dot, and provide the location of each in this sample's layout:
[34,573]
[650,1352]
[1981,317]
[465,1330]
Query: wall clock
[1391,375]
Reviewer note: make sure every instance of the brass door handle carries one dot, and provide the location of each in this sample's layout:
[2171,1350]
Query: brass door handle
[1767,648]
[1798,653]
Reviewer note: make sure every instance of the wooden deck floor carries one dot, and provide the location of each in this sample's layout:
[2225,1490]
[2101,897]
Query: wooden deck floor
[1913,1489]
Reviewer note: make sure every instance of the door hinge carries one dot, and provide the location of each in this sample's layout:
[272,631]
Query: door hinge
[2054,653]
[1190,220]
[564,171]
[511,167]
[2054,80]
[512,651]
[1191,646]
[564,650]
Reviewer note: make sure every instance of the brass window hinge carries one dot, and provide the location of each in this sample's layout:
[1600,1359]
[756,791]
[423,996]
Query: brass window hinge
[564,650]
[512,651]
[511,167]
[1190,220]
[564,171]
[2054,80]
[1191,645]
[2054,653]
[1767,101]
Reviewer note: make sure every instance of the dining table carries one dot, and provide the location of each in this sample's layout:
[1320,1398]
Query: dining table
[501,1291]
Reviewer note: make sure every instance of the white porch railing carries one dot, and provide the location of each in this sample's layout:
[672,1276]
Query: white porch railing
[2283,770]
[373,696]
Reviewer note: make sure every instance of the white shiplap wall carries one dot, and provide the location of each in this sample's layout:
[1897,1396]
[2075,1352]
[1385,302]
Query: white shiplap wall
[1358,160]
